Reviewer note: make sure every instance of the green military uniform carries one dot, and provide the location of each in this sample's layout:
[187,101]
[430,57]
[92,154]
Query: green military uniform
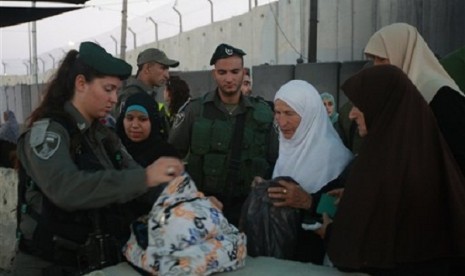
[132,86]
[203,132]
[44,152]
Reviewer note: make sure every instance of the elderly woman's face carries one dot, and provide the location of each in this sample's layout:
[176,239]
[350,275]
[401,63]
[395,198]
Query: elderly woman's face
[287,118]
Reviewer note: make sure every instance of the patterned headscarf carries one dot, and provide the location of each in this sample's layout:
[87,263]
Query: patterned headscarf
[10,130]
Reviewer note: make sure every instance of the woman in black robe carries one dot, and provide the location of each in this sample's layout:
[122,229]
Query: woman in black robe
[403,208]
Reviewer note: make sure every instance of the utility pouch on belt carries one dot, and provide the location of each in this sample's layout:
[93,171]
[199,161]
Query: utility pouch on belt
[100,250]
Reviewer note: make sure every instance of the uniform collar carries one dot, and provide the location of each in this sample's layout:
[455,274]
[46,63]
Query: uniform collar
[81,123]
[244,102]
[139,83]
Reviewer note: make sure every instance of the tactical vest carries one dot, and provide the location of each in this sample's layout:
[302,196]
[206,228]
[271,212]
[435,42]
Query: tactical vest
[62,237]
[209,157]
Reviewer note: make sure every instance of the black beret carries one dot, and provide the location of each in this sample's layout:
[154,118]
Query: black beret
[96,57]
[225,51]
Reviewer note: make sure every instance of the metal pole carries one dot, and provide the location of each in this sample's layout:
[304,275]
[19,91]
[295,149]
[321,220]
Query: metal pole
[134,37]
[352,14]
[27,67]
[43,64]
[156,29]
[276,38]
[180,16]
[312,35]
[29,38]
[250,5]
[34,67]
[64,52]
[4,68]
[303,42]
[211,10]
[124,24]
[116,44]
[53,60]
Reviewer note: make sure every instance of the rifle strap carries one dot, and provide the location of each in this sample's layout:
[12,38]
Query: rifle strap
[235,157]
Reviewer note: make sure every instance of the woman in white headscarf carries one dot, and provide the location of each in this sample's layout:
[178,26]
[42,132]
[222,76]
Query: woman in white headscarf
[401,45]
[310,151]
[9,133]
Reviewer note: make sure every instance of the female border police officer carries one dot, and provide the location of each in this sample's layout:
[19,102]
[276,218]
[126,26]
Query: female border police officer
[75,176]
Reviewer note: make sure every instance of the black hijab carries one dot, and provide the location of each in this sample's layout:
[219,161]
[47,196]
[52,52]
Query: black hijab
[404,200]
[154,146]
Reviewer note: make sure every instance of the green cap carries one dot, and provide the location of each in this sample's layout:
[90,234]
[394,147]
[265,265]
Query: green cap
[225,51]
[96,57]
[153,54]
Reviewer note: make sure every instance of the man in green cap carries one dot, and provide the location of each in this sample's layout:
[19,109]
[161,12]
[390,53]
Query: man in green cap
[228,138]
[152,72]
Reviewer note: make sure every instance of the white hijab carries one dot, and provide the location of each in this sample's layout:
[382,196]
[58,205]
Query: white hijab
[406,49]
[315,154]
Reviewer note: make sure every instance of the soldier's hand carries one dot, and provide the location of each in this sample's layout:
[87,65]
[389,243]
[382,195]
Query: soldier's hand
[164,169]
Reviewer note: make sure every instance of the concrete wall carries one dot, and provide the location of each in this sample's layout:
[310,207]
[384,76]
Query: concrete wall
[325,76]
[8,194]
[267,79]
[277,34]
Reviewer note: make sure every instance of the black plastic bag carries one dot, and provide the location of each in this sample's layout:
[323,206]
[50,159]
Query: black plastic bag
[271,231]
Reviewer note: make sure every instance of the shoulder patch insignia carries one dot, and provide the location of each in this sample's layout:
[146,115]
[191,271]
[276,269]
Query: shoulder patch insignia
[38,132]
[48,147]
